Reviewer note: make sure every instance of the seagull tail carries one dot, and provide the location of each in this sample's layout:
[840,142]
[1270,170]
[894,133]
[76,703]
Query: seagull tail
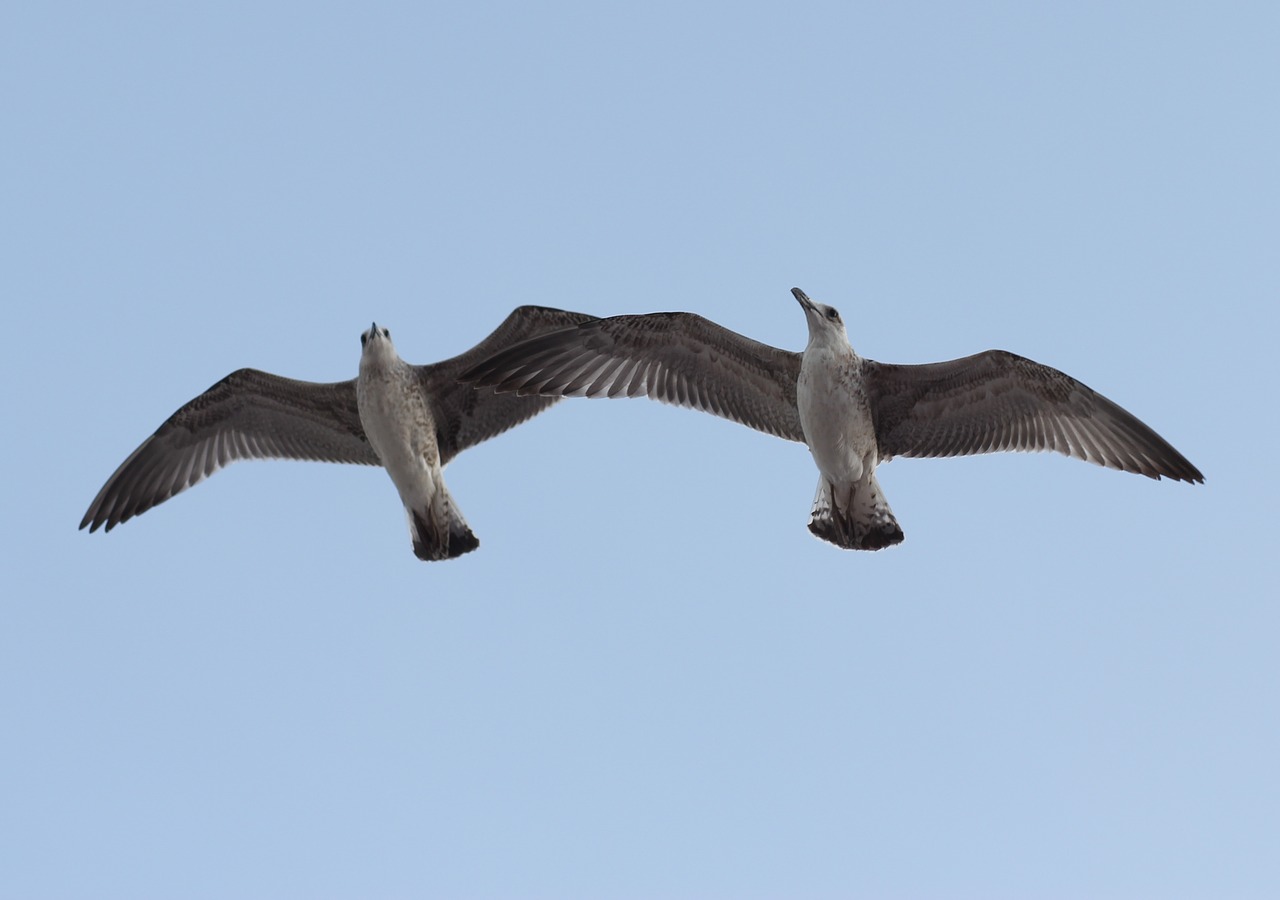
[854,515]
[438,529]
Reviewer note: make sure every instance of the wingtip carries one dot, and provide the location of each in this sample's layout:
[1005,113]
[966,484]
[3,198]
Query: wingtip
[1189,475]
[1183,470]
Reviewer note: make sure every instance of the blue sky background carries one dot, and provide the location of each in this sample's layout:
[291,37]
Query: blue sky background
[650,680]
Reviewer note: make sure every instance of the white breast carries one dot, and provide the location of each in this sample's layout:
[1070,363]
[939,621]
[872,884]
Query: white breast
[396,420]
[835,415]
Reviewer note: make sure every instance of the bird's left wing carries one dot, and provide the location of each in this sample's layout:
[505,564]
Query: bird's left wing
[997,400]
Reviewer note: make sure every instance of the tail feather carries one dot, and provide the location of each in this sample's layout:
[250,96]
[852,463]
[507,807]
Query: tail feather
[439,531]
[854,516]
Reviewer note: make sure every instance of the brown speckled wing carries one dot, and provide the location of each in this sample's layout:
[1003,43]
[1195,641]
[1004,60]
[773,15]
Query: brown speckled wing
[465,415]
[674,357]
[996,400]
[247,415]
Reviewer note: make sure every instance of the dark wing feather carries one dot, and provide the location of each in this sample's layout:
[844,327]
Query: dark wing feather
[678,358]
[466,416]
[999,401]
[247,415]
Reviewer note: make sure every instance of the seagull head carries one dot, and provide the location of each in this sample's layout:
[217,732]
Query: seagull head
[377,343]
[374,333]
[826,328]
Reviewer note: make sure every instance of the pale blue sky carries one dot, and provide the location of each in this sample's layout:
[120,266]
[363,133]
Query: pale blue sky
[650,680]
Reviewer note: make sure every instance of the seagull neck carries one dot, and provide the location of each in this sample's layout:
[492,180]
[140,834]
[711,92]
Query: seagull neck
[378,358]
[836,345]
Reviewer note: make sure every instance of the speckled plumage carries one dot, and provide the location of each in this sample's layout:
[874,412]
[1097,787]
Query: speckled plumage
[853,413]
[849,508]
[257,415]
[400,424]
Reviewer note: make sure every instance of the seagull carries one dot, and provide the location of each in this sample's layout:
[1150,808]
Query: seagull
[412,420]
[853,413]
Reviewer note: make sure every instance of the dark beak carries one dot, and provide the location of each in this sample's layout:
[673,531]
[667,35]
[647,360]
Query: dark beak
[804,300]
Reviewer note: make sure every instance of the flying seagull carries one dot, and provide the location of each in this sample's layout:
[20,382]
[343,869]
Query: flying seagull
[412,420]
[853,413]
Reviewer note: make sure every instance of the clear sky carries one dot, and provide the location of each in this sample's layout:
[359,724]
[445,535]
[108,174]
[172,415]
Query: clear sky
[650,680]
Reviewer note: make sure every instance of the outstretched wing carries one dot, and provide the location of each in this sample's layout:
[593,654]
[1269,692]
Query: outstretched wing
[1000,401]
[466,416]
[678,358]
[247,415]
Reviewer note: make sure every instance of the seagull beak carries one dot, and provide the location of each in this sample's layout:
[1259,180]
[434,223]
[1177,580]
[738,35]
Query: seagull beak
[804,300]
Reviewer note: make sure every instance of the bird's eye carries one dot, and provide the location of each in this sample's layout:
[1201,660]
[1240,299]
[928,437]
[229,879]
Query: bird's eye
[832,314]
[386,332]
[364,339]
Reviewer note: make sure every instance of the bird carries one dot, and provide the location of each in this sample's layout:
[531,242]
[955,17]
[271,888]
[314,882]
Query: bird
[853,413]
[411,420]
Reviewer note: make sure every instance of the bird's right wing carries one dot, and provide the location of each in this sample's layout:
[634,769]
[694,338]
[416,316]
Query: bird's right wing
[247,415]
[466,416]
[674,357]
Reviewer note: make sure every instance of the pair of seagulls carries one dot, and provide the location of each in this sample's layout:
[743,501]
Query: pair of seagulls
[853,413]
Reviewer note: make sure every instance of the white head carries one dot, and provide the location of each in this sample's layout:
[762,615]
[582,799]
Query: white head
[826,328]
[377,344]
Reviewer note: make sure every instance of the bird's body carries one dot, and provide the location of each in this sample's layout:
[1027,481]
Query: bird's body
[400,423]
[412,420]
[853,413]
[835,415]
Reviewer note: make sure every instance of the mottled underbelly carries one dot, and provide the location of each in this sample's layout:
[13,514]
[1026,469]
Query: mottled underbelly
[399,429]
[838,428]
